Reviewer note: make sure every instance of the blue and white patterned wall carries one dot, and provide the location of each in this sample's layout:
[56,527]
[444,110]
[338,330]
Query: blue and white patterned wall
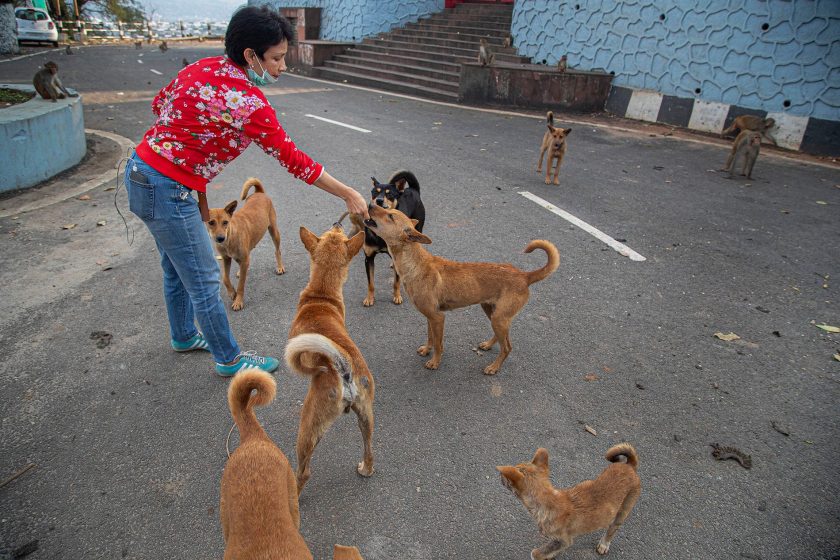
[353,20]
[758,54]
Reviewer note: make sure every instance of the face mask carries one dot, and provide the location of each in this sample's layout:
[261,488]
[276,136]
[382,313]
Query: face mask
[263,80]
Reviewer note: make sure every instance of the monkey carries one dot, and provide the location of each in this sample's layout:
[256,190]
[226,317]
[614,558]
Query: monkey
[561,64]
[185,62]
[46,83]
[485,55]
[752,122]
[138,44]
[747,143]
[163,46]
[508,42]
[68,50]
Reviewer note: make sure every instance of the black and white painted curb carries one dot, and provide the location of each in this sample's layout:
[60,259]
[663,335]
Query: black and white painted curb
[808,135]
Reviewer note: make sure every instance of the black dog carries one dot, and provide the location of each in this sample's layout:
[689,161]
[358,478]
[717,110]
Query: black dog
[401,192]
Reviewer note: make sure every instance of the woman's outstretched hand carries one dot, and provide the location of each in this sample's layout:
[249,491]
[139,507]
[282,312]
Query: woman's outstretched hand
[356,203]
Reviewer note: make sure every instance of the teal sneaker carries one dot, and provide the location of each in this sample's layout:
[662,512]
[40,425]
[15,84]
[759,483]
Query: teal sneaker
[195,343]
[247,360]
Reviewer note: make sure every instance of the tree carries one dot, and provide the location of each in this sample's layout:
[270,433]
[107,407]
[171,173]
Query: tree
[8,28]
[128,11]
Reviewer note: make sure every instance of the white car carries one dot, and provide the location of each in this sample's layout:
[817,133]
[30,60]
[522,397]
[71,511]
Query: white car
[34,24]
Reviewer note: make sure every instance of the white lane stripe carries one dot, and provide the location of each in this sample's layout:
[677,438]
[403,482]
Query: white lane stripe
[619,247]
[156,72]
[338,123]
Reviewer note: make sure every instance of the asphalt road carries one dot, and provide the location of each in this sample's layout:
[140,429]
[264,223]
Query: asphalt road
[129,440]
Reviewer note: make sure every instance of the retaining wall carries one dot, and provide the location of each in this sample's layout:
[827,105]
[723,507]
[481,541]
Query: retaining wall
[39,139]
[353,20]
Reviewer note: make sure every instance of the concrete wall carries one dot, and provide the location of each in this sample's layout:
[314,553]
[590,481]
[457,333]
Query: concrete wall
[772,55]
[39,139]
[353,20]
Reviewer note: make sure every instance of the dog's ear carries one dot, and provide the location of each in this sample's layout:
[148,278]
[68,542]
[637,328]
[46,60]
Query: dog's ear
[310,240]
[400,184]
[415,237]
[354,244]
[230,207]
[414,222]
[374,181]
[567,131]
[541,458]
[512,475]
[551,129]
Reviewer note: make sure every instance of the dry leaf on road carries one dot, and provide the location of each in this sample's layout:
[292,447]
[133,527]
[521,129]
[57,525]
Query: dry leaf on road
[70,226]
[828,328]
[727,337]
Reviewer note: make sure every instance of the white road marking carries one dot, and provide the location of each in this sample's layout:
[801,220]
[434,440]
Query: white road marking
[350,126]
[619,247]
[156,72]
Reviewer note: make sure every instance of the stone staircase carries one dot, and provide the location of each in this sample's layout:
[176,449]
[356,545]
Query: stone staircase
[424,58]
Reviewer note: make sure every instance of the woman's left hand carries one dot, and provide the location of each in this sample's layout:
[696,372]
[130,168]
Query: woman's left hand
[357,204]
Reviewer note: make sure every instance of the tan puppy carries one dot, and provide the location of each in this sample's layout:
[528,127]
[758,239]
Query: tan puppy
[435,285]
[554,142]
[259,504]
[236,235]
[320,347]
[590,506]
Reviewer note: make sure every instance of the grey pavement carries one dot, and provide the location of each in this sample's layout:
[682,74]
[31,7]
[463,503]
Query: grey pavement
[129,440]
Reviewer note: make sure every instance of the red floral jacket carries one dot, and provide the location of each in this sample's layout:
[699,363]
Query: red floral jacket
[207,116]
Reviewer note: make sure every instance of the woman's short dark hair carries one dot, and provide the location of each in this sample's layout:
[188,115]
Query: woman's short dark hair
[258,28]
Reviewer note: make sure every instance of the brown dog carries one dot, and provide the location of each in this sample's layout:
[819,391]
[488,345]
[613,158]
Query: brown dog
[435,285]
[320,347]
[236,235]
[554,142]
[590,506]
[259,503]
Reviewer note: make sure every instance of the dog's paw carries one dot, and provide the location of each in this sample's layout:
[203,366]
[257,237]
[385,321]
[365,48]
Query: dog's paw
[548,181]
[424,350]
[237,305]
[539,169]
[432,364]
[556,181]
[360,468]
[603,547]
[398,299]
[368,301]
[231,293]
[486,345]
[490,370]
[280,269]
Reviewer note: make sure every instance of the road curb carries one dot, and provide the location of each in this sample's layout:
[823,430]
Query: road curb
[89,185]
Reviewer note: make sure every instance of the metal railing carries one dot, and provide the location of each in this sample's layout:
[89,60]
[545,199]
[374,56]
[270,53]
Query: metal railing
[81,30]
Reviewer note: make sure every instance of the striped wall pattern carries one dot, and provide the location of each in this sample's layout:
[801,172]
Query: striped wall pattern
[806,134]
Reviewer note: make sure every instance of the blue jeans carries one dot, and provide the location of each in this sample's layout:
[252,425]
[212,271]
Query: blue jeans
[190,271]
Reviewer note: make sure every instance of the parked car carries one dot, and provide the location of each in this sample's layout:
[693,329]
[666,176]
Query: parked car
[34,24]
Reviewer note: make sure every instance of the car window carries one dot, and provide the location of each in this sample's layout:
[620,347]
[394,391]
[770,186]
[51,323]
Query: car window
[40,16]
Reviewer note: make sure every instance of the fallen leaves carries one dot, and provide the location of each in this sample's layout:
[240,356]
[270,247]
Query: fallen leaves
[591,377]
[837,356]
[829,328]
[727,337]
[101,223]
[84,197]
[68,226]
[591,430]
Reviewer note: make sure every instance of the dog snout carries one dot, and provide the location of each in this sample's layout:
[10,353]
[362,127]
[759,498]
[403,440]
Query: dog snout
[220,239]
[380,202]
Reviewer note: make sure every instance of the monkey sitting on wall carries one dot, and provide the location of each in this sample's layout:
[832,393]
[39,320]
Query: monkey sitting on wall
[508,41]
[754,123]
[47,84]
[561,64]
[747,144]
[485,54]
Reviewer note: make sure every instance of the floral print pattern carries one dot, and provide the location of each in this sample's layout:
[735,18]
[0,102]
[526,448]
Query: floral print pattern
[207,117]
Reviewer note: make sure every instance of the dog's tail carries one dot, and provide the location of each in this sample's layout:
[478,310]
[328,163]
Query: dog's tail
[242,403]
[317,344]
[550,118]
[409,178]
[628,451]
[252,182]
[550,266]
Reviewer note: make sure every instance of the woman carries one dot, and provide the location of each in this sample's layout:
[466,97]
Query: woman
[207,116]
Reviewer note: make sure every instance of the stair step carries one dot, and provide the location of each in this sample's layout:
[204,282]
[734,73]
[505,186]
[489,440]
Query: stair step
[495,39]
[471,52]
[465,44]
[415,66]
[423,28]
[461,19]
[452,57]
[396,76]
[388,85]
